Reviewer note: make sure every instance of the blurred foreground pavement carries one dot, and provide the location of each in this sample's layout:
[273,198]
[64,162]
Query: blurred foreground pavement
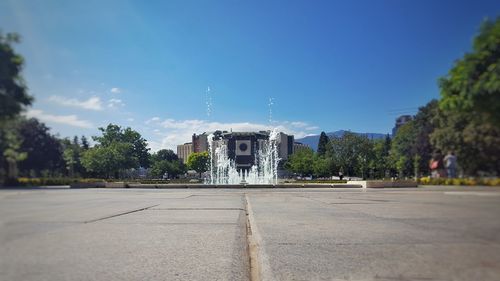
[201,234]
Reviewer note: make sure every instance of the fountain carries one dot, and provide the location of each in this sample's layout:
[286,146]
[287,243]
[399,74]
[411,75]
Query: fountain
[223,169]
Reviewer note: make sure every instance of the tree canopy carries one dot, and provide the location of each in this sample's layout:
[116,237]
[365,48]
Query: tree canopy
[13,91]
[123,149]
[198,161]
[44,150]
[116,134]
[301,162]
[165,161]
[469,123]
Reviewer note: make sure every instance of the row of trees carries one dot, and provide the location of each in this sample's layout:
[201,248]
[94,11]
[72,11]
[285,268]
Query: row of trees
[117,153]
[350,155]
[29,149]
[466,120]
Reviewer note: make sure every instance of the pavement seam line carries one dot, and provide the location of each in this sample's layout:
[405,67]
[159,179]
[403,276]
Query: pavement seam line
[121,214]
[198,209]
[260,269]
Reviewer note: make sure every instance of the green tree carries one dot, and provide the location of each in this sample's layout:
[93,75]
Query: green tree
[164,154]
[13,99]
[85,143]
[411,148]
[351,153]
[44,150]
[198,161]
[123,148]
[72,154]
[115,134]
[322,143]
[403,149]
[301,162]
[108,161]
[13,91]
[166,161]
[470,103]
[424,124]
[380,164]
[11,152]
[322,166]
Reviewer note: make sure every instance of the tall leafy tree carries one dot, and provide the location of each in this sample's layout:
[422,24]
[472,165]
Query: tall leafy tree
[123,149]
[322,166]
[115,134]
[164,155]
[351,153]
[424,123]
[322,143]
[13,92]
[11,152]
[470,104]
[403,149]
[380,165]
[85,143]
[198,161]
[108,161]
[14,98]
[44,150]
[301,162]
[166,161]
[72,154]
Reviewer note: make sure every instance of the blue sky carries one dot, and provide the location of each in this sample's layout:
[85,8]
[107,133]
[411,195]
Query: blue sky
[328,65]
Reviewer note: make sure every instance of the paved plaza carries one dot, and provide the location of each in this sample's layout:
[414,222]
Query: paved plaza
[250,234]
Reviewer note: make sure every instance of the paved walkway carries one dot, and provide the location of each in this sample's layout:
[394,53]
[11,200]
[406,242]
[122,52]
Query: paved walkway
[294,234]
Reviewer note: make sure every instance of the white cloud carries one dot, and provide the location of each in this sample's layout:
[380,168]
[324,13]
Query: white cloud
[93,103]
[173,132]
[114,103]
[152,120]
[115,90]
[299,124]
[71,120]
[311,128]
[130,119]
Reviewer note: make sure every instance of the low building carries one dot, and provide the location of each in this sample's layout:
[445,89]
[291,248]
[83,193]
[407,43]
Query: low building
[297,146]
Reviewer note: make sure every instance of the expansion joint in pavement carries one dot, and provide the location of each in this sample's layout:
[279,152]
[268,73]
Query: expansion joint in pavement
[121,214]
[251,247]
[199,209]
[260,269]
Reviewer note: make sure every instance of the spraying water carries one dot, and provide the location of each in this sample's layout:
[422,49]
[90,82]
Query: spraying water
[208,101]
[270,105]
[223,170]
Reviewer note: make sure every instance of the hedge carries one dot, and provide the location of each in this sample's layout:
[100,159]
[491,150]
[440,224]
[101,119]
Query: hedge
[459,181]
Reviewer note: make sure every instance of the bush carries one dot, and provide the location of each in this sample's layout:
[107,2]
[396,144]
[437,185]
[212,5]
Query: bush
[459,181]
[52,181]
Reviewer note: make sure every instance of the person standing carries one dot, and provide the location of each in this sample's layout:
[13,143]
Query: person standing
[450,162]
[436,165]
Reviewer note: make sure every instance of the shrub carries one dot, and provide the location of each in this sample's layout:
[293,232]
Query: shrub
[459,181]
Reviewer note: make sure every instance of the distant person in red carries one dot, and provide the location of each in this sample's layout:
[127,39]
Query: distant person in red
[450,162]
[437,166]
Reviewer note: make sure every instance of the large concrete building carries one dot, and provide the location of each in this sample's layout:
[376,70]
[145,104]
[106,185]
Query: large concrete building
[242,146]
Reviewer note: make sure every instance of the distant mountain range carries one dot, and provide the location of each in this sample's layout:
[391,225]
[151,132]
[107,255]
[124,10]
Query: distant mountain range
[312,141]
